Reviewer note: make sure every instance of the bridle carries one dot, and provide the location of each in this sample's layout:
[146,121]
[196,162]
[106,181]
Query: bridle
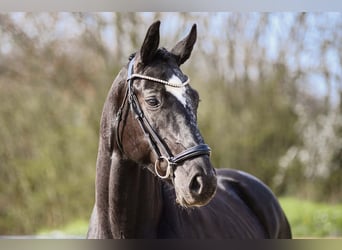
[158,145]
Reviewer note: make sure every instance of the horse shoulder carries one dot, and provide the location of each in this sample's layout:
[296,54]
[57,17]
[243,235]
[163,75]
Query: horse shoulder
[260,199]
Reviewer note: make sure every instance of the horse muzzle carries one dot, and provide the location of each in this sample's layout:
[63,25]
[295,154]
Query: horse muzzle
[195,185]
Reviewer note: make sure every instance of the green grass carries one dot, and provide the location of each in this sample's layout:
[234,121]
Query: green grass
[76,228]
[310,219]
[307,219]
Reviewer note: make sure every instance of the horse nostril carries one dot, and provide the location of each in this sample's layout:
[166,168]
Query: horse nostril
[196,185]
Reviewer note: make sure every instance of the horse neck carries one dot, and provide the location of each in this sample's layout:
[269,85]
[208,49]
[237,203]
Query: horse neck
[134,200]
[128,197]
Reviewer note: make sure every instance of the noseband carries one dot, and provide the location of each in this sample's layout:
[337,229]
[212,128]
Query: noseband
[158,145]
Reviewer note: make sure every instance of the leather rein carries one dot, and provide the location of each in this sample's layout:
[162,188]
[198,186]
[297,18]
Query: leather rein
[158,145]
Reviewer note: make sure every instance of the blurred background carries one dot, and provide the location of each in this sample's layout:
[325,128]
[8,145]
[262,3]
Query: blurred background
[270,88]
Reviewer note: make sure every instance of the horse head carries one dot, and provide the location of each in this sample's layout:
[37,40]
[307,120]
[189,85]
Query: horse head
[157,119]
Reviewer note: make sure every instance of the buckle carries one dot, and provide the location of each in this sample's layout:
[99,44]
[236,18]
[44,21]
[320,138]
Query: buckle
[158,168]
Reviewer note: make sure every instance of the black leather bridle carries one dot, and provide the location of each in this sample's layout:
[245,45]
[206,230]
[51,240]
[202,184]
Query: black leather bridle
[158,145]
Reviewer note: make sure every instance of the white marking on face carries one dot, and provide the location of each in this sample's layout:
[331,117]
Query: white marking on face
[179,93]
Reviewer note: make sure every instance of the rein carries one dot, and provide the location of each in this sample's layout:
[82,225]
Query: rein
[158,145]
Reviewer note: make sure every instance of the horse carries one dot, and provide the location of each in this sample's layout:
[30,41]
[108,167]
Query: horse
[154,177]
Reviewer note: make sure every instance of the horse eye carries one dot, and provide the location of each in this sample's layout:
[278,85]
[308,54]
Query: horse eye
[153,102]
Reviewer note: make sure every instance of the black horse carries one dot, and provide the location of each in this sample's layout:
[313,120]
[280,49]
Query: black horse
[154,178]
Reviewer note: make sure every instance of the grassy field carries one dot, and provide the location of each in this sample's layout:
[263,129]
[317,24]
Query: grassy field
[307,219]
[310,219]
[75,228]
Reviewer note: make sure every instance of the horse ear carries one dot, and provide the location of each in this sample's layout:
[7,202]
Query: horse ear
[183,48]
[151,43]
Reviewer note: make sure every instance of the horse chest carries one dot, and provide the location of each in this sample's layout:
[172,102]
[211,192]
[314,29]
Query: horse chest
[224,217]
